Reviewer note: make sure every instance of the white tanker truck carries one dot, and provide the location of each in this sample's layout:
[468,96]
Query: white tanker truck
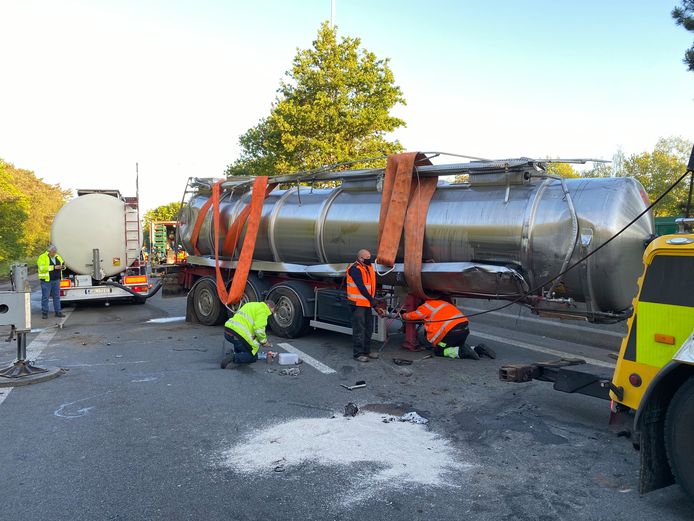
[98,236]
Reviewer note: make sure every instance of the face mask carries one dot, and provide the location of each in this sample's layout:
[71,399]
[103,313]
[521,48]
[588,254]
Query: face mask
[367,262]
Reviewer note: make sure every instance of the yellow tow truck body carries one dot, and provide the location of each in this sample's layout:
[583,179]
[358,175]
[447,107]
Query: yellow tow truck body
[654,375]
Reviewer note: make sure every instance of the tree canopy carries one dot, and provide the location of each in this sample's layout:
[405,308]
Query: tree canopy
[562,170]
[684,16]
[657,170]
[165,212]
[14,212]
[333,107]
[27,210]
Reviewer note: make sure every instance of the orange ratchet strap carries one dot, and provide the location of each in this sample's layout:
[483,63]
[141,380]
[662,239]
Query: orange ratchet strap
[404,205]
[243,266]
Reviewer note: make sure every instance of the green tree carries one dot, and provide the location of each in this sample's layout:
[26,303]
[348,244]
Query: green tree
[562,170]
[334,106]
[657,170]
[41,202]
[684,16]
[13,216]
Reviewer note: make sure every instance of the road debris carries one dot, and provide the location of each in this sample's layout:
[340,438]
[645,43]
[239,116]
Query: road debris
[407,361]
[358,385]
[411,417]
[290,371]
[351,410]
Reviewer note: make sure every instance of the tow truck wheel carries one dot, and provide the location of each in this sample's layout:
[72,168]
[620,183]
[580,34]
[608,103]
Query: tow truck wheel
[679,436]
[208,307]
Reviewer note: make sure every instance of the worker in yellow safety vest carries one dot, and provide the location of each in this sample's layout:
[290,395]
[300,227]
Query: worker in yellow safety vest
[50,266]
[361,292]
[246,332]
[447,329]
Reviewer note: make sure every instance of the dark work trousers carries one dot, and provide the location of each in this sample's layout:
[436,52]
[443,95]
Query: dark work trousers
[455,337]
[362,328]
[243,352]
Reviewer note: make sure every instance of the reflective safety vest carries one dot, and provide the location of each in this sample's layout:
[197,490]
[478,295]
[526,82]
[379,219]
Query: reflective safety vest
[439,318]
[45,267]
[368,276]
[250,322]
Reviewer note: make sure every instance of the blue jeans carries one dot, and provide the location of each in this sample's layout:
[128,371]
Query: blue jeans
[48,288]
[243,353]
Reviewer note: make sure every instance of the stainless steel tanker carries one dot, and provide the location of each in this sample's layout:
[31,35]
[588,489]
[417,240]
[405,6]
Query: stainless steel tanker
[506,231]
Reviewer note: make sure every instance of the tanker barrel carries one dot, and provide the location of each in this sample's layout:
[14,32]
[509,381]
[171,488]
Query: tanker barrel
[502,231]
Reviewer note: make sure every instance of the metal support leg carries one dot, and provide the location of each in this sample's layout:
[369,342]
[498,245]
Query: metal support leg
[411,342]
[22,367]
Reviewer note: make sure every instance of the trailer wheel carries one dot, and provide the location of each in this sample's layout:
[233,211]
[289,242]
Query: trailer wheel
[208,307]
[288,320]
[679,436]
[255,291]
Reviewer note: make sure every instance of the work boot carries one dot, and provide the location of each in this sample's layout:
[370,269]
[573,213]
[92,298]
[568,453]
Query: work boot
[226,361]
[362,358]
[60,314]
[468,352]
[484,350]
[44,315]
[373,355]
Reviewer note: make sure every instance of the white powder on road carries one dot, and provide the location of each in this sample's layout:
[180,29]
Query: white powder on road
[403,454]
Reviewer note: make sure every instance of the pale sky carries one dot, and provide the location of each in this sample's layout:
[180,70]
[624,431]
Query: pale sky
[90,87]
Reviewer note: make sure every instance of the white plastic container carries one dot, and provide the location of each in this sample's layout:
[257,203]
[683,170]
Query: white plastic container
[288,358]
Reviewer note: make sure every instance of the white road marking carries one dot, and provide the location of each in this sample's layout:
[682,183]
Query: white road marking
[165,320]
[35,348]
[540,349]
[320,366]
[545,322]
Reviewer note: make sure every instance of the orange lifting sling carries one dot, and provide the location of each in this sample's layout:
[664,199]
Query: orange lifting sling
[243,266]
[251,214]
[405,204]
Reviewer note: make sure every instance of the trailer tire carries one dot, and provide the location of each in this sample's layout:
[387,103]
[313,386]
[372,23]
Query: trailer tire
[289,319]
[679,436]
[255,291]
[208,308]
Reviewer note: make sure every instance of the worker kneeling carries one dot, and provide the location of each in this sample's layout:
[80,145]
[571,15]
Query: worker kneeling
[246,332]
[446,329]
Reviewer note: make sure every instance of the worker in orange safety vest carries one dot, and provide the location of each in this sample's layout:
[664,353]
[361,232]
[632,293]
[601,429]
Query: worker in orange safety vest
[447,329]
[361,291]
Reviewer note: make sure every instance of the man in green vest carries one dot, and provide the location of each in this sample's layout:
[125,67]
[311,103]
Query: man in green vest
[51,266]
[246,332]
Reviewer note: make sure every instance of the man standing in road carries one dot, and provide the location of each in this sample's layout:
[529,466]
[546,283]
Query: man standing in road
[246,332]
[447,329]
[361,289]
[51,266]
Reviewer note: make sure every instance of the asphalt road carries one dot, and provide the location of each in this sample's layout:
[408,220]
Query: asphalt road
[145,426]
